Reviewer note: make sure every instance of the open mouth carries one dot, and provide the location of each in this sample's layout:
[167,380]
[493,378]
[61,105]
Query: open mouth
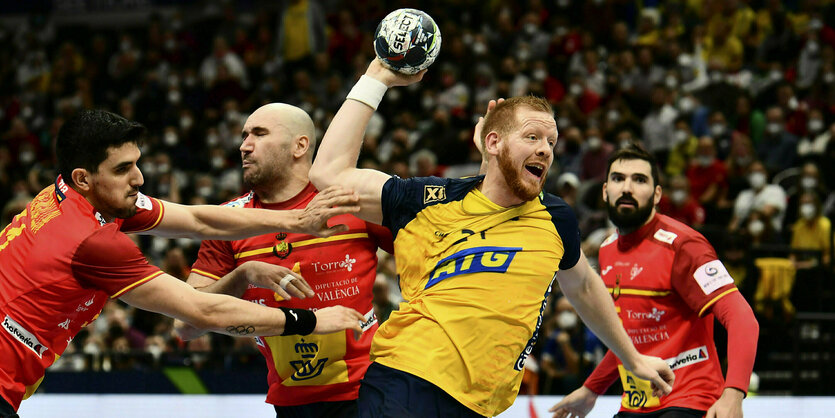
[535,169]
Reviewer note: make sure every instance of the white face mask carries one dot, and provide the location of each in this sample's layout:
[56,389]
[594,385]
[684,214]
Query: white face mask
[756,227]
[717,129]
[678,196]
[567,320]
[808,182]
[594,143]
[170,138]
[686,104]
[757,180]
[576,89]
[613,115]
[704,160]
[807,211]
[815,125]
[774,128]
[680,136]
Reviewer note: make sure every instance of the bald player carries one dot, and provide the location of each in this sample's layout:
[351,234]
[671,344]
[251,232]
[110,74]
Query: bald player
[309,376]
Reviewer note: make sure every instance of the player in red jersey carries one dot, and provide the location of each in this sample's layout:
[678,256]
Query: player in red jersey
[66,254]
[310,376]
[668,285]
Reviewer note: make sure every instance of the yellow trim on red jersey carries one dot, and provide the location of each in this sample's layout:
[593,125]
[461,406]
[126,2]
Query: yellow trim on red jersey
[714,300]
[205,273]
[159,217]
[303,243]
[134,284]
[640,292]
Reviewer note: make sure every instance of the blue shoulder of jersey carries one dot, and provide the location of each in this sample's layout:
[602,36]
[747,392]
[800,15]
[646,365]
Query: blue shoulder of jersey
[403,199]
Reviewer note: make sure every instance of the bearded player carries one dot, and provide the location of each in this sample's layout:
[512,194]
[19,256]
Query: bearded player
[668,285]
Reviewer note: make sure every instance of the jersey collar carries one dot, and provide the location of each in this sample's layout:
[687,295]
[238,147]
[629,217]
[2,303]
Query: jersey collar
[291,203]
[63,193]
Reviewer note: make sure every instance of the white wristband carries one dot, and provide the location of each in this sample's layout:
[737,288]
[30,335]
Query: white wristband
[369,91]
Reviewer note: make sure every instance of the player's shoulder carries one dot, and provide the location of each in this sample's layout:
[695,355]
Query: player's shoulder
[674,233]
[243,201]
[432,190]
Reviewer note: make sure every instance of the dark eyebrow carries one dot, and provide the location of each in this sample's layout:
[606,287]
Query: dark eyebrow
[124,164]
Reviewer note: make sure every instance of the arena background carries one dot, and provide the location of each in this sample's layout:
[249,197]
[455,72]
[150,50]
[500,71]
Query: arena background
[667,74]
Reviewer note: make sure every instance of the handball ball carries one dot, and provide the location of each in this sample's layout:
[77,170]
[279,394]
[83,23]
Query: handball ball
[407,40]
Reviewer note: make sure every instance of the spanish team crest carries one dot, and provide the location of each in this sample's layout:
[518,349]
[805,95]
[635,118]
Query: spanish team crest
[282,249]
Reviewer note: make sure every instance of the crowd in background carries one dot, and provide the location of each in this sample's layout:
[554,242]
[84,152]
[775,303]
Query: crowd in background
[735,98]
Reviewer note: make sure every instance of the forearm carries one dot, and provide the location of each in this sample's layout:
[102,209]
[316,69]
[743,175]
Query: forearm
[594,305]
[226,223]
[734,313]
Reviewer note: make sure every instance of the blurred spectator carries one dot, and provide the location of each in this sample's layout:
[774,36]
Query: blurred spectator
[658,124]
[301,33]
[778,148]
[595,156]
[811,231]
[570,350]
[383,306]
[808,181]
[677,203]
[708,176]
[683,147]
[768,201]
[567,188]
[817,135]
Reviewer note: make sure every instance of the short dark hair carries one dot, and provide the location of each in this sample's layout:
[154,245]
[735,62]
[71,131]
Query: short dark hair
[84,139]
[634,152]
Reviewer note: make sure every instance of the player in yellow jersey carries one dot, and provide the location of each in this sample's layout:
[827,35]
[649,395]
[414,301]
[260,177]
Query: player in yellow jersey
[476,259]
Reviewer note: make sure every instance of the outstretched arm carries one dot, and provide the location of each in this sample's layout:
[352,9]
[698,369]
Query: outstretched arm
[585,290]
[336,160]
[225,223]
[283,281]
[224,314]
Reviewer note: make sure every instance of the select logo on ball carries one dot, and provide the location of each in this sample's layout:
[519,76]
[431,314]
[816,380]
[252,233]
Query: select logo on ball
[407,40]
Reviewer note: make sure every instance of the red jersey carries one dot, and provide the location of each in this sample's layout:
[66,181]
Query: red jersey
[664,277]
[701,178]
[59,263]
[341,270]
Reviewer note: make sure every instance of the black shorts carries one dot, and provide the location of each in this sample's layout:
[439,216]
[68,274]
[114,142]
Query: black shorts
[6,409]
[671,412]
[336,409]
[391,393]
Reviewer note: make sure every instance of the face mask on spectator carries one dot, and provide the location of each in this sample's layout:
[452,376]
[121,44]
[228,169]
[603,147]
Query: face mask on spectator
[807,211]
[594,143]
[686,104]
[775,75]
[26,157]
[815,125]
[680,136]
[613,115]
[204,191]
[149,169]
[170,138]
[625,142]
[807,182]
[829,77]
[671,82]
[479,48]
[186,122]
[773,128]
[575,89]
[678,196]
[217,162]
[717,129]
[212,139]
[757,180]
[540,74]
[567,320]
[704,160]
[756,227]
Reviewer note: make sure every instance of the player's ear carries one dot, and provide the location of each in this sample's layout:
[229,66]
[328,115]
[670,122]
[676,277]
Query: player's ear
[301,146]
[657,196]
[81,179]
[605,197]
[491,143]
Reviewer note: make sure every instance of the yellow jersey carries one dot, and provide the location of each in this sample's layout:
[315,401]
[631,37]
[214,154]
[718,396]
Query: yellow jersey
[475,277]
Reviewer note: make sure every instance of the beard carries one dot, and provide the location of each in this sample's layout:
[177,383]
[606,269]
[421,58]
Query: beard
[521,189]
[257,177]
[630,219]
